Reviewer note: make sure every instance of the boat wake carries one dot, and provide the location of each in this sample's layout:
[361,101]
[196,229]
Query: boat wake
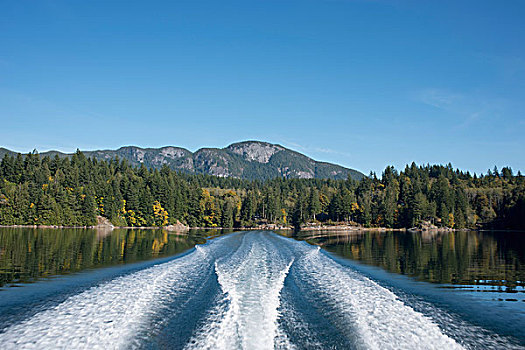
[112,313]
[251,280]
[253,290]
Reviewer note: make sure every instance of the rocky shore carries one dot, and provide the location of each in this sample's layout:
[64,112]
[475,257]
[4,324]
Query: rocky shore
[106,225]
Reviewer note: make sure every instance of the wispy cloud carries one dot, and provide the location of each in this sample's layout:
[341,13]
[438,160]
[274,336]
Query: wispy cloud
[439,98]
[58,111]
[468,108]
[310,149]
[510,67]
[329,151]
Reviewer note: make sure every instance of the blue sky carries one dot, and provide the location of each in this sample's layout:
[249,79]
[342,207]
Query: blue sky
[361,83]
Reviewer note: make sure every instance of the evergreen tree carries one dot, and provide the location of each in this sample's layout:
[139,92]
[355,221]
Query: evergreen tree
[314,204]
[73,191]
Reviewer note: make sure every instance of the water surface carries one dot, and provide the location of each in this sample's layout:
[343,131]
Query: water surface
[260,290]
[465,258]
[29,254]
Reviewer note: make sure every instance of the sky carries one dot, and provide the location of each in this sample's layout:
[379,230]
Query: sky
[364,84]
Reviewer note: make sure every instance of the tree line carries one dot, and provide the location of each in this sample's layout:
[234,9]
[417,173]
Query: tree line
[73,191]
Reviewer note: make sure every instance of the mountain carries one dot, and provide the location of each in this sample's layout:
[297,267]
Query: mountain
[248,160]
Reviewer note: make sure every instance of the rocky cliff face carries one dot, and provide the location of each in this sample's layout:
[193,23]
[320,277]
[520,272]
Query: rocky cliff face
[255,151]
[247,160]
[211,161]
[151,157]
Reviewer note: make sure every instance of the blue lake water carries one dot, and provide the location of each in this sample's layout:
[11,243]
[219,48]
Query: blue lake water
[261,290]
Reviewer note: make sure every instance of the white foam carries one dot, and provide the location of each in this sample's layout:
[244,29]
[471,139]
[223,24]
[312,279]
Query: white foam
[245,314]
[298,326]
[107,316]
[381,320]
[247,318]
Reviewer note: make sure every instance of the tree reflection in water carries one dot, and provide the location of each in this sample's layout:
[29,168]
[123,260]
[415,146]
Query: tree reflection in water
[464,257]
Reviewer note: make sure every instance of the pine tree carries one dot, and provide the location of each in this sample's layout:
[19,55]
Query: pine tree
[314,204]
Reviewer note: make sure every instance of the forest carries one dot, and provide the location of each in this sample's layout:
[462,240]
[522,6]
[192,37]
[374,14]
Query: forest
[73,191]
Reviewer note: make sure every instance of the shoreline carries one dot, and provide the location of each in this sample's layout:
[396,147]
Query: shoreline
[180,228]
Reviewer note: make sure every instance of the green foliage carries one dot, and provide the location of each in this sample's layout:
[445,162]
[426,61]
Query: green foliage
[35,253]
[73,191]
[221,162]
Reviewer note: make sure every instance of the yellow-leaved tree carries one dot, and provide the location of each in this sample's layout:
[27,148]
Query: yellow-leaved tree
[451,221]
[160,214]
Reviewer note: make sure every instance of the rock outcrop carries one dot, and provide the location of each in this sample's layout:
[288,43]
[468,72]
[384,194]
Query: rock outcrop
[252,160]
[103,224]
[178,227]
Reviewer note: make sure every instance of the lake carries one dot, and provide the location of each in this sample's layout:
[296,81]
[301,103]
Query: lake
[81,288]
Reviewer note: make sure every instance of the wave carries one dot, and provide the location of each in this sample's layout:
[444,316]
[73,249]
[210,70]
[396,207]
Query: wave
[109,315]
[251,280]
[254,290]
[364,308]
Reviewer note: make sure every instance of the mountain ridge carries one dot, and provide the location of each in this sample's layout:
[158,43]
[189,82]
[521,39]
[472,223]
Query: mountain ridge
[246,159]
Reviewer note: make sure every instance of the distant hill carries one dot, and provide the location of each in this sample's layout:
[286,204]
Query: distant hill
[248,160]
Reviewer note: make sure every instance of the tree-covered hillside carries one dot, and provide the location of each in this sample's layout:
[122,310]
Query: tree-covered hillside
[74,190]
[251,160]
